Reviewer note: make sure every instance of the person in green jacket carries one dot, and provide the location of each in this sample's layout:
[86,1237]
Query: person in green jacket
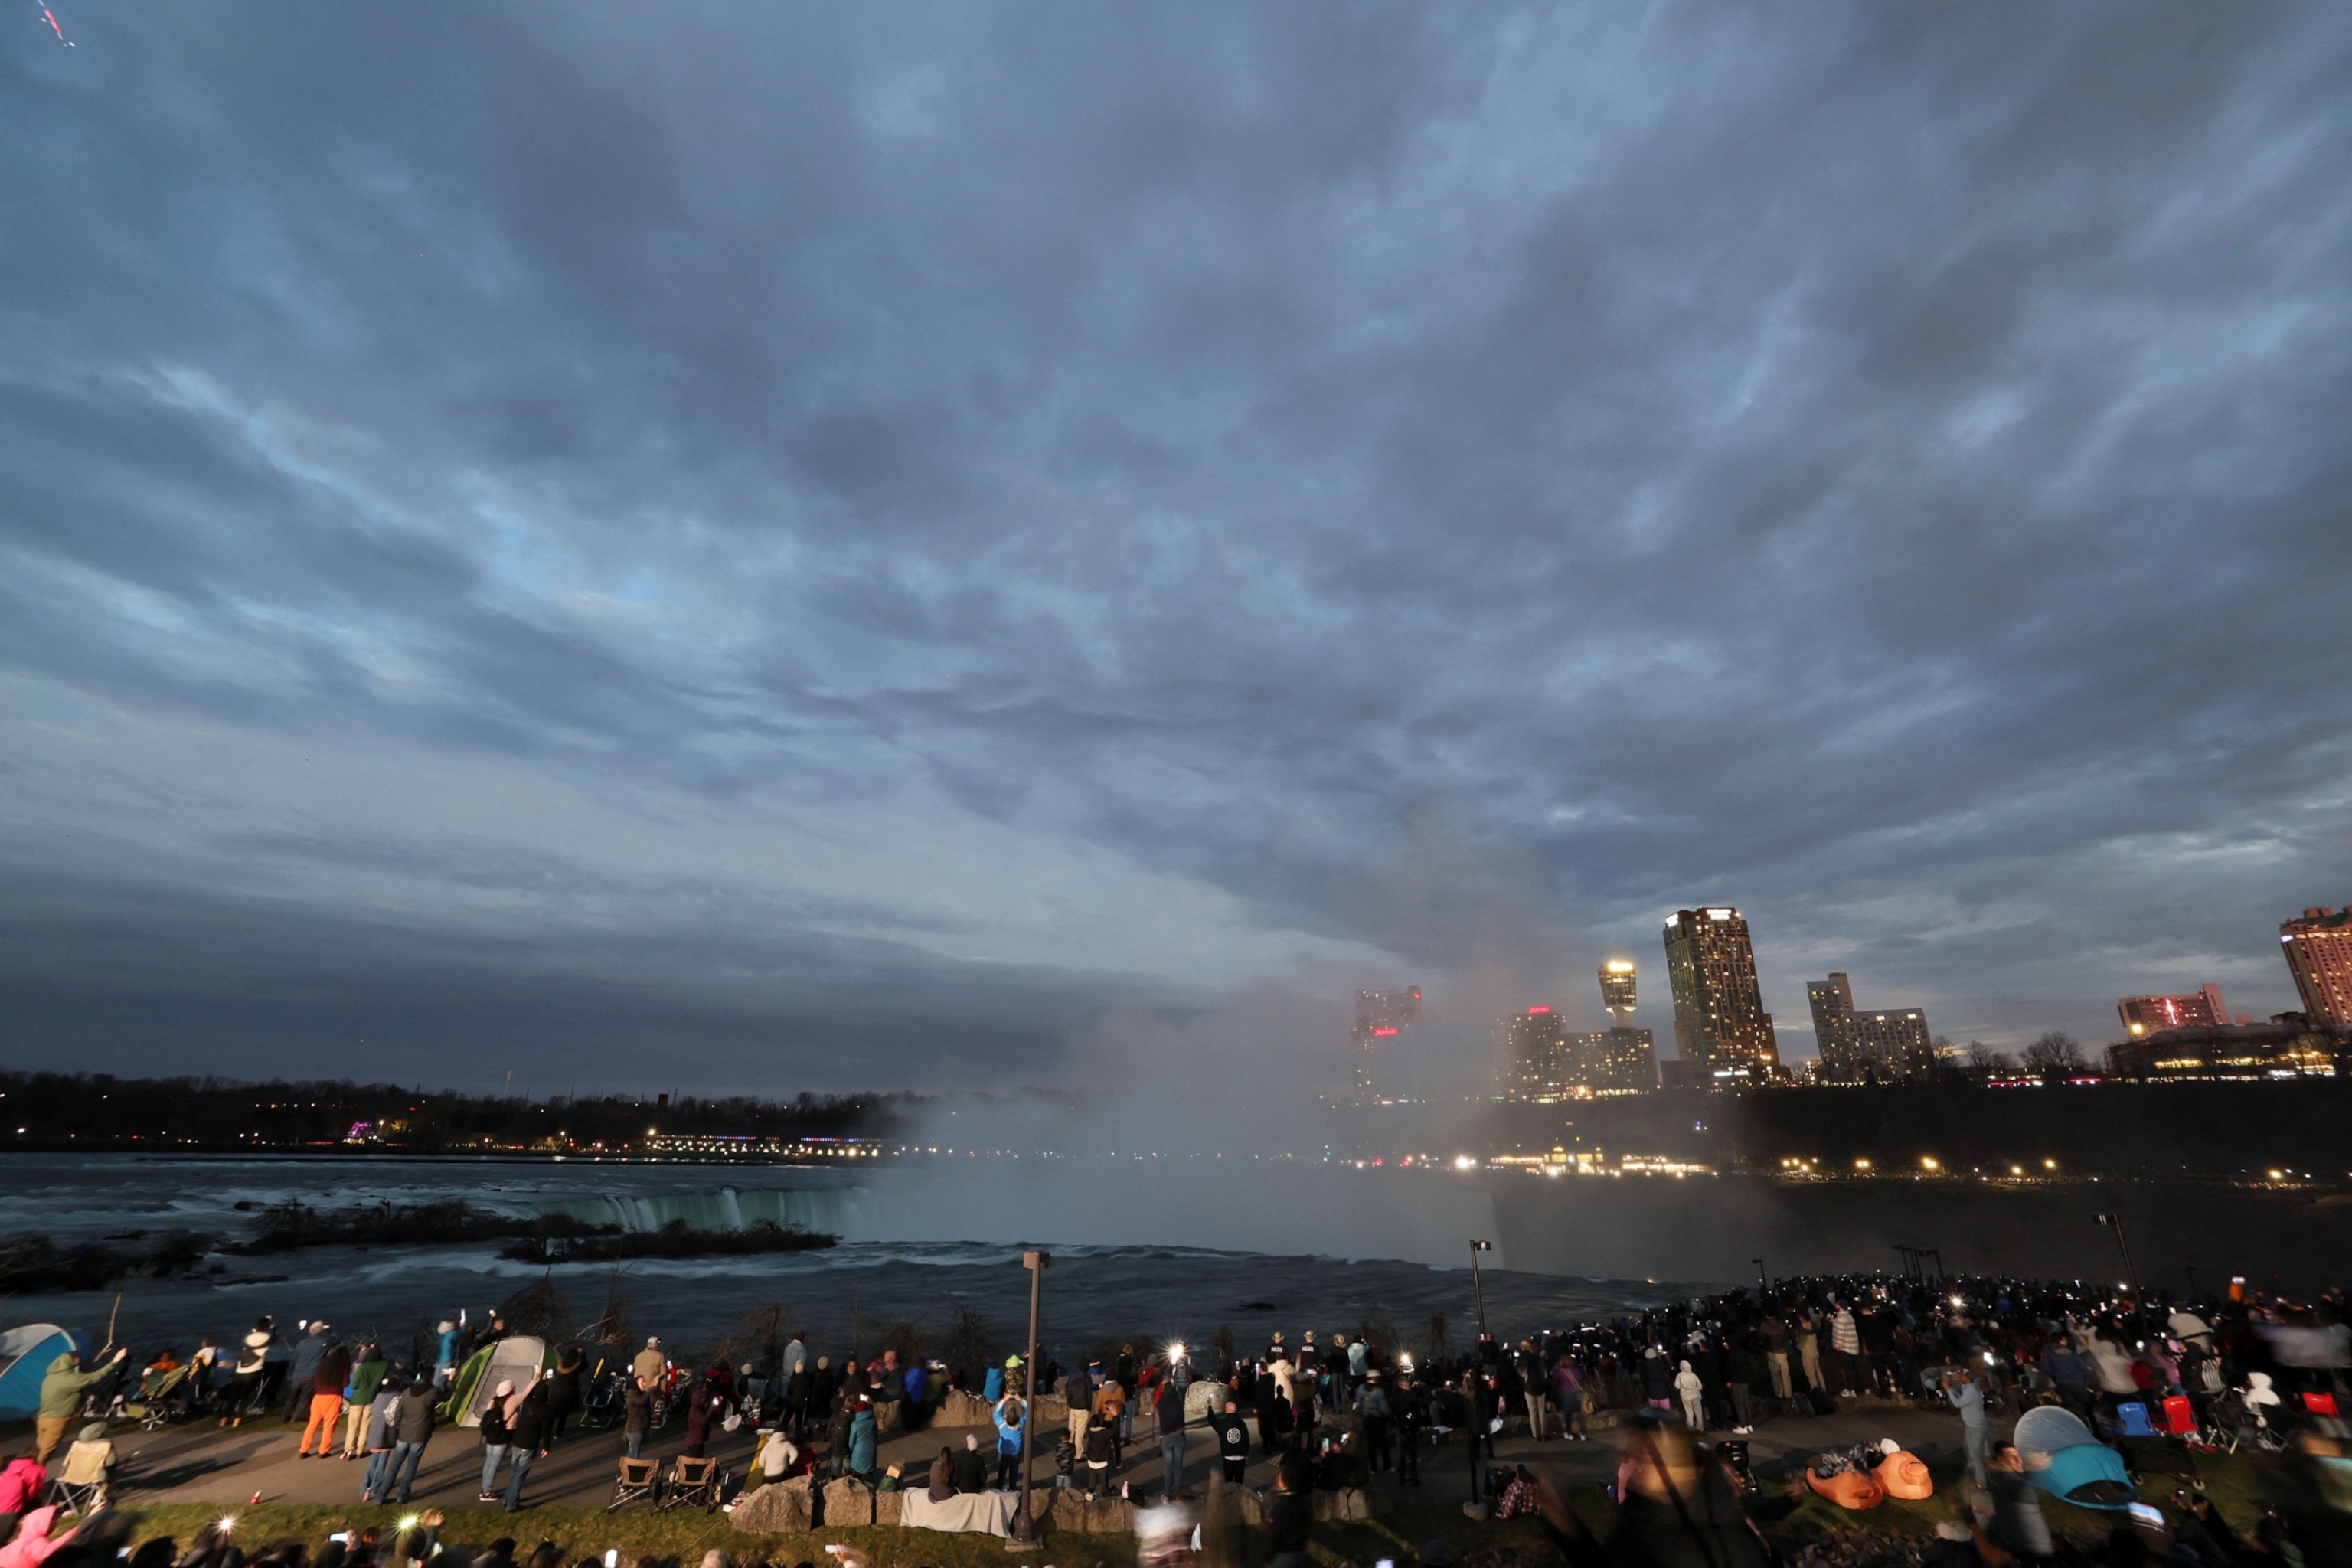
[367,1378]
[61,1392]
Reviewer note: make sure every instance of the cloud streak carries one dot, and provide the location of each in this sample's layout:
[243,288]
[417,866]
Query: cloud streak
[956,521]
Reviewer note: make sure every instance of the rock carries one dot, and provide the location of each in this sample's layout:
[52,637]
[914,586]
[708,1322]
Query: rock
[1110,1516]
[1473,1511]
[1355,1504]
[889,1416]
[1053,1411]
[1203,1400]
[776,1508]
[886,1506]
[962,1409]
[1328,1505]
[847,1501]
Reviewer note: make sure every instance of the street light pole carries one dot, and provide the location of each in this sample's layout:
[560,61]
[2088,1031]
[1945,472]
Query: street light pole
[1763,1285]
[1023,1533]
[1478,1284]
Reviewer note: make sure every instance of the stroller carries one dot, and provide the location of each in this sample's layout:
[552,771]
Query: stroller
[161,1398]
[601,1408]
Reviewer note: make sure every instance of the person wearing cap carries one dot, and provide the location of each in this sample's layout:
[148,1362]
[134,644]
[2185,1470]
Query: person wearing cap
[328,1376]
[300,1373]
[651,1364]
[1373,1412]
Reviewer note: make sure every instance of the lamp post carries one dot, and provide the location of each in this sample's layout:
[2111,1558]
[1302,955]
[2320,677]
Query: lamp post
[1023,1533]
[1763,1285]
[2115,1222]
[1478,1285]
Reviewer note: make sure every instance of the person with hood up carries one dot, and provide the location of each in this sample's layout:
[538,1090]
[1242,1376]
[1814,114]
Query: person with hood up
[22,1481]
[329,1377]
[1693,1397]
[862,1440]
[61,1394]
[1678,1510]
[34,1545]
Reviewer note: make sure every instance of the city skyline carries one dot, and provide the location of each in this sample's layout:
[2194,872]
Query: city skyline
[881,545]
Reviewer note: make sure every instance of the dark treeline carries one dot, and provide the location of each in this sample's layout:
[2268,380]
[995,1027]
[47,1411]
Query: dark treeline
[2113,1129]
[84,1110]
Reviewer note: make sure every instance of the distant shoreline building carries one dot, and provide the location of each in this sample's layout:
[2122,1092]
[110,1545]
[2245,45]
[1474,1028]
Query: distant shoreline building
[2200,1009]
[2318,949]
[1719,1016]
[1876,1045]
[1546,1062]
[1381,1017]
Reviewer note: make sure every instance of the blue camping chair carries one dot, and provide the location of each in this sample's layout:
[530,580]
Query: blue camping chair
[2131,1420]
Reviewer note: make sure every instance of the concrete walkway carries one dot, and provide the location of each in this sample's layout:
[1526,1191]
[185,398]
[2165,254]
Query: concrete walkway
[199,1463]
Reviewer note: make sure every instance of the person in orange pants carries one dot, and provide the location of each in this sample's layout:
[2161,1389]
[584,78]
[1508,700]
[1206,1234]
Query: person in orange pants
[326,1401]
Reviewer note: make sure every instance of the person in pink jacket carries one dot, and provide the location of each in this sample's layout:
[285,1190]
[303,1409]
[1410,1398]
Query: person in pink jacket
[34,1545]
[23,1479]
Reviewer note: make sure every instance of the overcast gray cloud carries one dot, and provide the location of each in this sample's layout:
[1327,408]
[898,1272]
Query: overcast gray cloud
[837,545]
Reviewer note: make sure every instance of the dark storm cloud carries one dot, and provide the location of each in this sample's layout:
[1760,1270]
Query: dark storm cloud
[916,526]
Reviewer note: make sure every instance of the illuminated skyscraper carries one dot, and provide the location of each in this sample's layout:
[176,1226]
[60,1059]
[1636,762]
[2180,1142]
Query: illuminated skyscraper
[1617,990]
[1535,1047]
[1720,1018]
[2200,1009]
[1380,1018]
[2318,949]
[1876,1045]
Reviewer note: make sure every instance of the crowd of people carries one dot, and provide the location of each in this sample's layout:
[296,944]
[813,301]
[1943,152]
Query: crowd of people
[1331,1411]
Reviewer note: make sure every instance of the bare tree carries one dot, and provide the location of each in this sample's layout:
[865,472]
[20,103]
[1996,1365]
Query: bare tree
[1987,1061]
[2054,1054]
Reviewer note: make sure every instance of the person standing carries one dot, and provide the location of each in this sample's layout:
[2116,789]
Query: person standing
[299,1388]
[245,1382]
[1009,1413]
[1233,1441]
[1808,1336]
[1078,1394]
[367,1381]
[1776,1354]
[1373,1415]
[494,1438]
[378,1414]
[1168,1403]
[412,1428]
[1535,1387]
[1846,1339]
[1693,1397]
[444,1352]
[526,1437]
[636,1416]
[330,1374]
[61,1394]
[1412,1420]
[1960,1388]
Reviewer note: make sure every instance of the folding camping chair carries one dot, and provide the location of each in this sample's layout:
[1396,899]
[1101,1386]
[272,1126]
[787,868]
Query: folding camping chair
[161,1399]
[692,1483]
[639,1481]
[2131,1420]
[80,1487]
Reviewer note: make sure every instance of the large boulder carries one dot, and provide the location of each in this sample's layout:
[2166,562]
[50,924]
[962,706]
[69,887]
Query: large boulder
[962,1409]
[1053,1411]
[777,1508]
[886,1506]
[1203,1399]
[847,1501]
[889,1417]
[1110,1516]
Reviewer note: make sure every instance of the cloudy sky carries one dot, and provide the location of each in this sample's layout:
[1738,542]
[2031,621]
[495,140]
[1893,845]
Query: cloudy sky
[782,546]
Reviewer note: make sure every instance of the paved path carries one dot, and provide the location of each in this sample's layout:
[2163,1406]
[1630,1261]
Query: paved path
[199,1463]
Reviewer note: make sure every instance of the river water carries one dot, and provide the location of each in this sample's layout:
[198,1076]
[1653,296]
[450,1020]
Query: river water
[1174,1253]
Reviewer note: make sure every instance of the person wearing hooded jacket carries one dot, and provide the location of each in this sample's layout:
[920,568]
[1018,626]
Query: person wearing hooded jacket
[61,1392]
[411,1423]
[494,1438]
[1693,1397]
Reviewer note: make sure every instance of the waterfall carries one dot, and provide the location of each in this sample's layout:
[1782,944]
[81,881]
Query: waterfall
[729,1209]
